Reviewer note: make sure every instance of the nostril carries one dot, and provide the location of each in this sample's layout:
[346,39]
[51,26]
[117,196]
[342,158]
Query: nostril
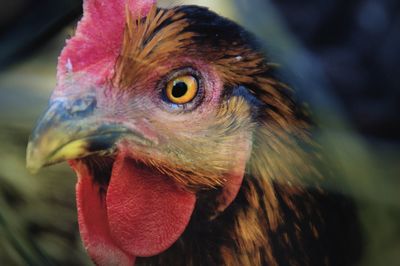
[83,106]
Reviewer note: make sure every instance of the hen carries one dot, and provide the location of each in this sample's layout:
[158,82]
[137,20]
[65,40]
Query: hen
[188,149]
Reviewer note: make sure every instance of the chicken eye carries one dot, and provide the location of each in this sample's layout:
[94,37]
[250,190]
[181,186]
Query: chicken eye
[182,90]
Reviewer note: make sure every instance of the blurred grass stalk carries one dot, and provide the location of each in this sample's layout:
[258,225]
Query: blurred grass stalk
[38,223]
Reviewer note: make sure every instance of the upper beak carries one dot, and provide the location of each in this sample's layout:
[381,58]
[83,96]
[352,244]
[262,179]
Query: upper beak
[71,129]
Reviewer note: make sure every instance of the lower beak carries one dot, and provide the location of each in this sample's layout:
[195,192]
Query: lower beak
[71,130]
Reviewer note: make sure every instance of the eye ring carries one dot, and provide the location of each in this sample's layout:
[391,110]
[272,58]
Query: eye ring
[182,89]
[190,102]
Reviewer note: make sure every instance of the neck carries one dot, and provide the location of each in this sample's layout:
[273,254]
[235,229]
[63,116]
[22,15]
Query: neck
[281,215]
[228,239]
[307,234]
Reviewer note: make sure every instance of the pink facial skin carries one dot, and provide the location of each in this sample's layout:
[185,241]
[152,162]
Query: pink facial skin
[142,212]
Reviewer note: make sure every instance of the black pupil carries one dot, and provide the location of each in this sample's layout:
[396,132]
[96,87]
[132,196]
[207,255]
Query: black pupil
[180,89]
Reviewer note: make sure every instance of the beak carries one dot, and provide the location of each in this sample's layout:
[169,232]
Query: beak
[71,129]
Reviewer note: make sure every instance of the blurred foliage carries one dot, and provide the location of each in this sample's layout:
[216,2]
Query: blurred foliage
[25,25]
[38,224]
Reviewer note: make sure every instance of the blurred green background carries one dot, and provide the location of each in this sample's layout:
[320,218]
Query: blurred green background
[341,58]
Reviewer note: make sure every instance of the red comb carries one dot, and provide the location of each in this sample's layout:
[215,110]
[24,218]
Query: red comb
[99,35]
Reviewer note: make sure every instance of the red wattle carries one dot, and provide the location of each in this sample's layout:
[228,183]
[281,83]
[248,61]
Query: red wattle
[141,213]
[146,211]
[93,225]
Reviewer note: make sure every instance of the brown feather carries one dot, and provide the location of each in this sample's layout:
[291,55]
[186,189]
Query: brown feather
[275,211]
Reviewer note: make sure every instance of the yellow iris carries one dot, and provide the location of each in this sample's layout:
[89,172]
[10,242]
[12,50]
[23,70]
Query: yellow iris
[182,90]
